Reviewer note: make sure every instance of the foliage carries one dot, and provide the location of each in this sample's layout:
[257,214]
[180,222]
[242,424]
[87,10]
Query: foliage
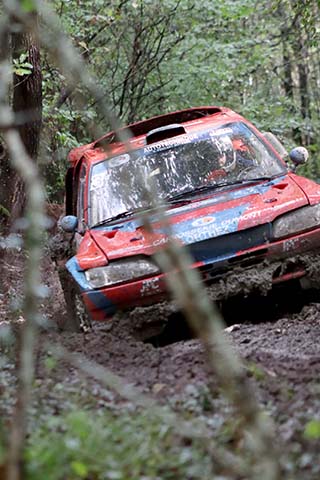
[152,58]
[312,430]
[105,446]
[20,65]
[4,211]
[28,6]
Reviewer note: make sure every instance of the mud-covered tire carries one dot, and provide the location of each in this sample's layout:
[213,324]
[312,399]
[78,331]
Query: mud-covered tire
[78,318]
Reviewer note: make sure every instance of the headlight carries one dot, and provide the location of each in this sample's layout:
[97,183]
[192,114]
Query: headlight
[120,271]
[297,221]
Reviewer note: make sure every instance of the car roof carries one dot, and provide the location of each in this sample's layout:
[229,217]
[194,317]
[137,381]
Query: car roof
[151,131]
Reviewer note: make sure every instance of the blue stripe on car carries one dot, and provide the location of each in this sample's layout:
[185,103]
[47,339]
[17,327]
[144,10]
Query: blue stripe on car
[101,302]
[73,267]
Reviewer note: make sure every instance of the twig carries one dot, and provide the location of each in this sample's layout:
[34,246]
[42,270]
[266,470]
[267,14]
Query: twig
[35,224]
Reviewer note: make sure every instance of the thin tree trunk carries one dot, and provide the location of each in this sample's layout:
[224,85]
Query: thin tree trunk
[288,67]
[27,106]
[303,83]
[5,170]
[300,47]
[27,92]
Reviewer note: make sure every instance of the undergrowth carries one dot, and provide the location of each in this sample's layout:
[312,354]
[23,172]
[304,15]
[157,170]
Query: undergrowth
[135,446]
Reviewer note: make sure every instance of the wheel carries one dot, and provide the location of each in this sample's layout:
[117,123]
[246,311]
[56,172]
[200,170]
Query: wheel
[79,315]
[78,318]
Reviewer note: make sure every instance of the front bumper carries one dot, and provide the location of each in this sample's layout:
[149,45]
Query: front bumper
[255,269]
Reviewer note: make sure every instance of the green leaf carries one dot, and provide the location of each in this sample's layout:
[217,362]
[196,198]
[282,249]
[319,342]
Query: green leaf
[79,469]
[23,57]
[312,430]
[4,211]
[28,6]
[21,71]
[27,65]
[50,363]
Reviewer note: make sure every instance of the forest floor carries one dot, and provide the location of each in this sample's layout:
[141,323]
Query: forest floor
[281,355]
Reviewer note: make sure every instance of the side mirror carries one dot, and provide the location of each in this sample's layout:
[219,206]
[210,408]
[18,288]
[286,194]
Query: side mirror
[69,223]
[298,156]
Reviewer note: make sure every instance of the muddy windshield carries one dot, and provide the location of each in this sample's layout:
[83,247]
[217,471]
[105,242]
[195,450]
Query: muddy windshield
[215,157]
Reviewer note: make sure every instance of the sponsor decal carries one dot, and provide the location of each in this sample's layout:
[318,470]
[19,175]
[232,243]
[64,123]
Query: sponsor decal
[209,226]
[221,131]
[200,222]
[254,215]
[160,241]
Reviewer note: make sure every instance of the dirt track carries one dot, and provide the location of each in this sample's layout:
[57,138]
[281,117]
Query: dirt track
[282,357]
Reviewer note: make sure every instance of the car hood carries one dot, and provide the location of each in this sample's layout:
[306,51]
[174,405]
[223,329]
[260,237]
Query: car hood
[205,217]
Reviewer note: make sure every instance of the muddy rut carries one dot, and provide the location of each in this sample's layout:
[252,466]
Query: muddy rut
[281,355]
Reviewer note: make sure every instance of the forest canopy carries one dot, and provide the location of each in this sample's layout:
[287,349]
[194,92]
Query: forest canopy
[259,58]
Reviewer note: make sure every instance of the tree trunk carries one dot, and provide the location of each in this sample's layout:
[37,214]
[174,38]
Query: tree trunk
[27,105]
[27,93]
[5,171]
[288,83]
[302,53]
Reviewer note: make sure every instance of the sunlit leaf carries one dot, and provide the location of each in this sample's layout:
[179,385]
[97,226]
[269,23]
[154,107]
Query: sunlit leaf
[21,72]
[83,45]
[79,469]
[312,430]
[28,6]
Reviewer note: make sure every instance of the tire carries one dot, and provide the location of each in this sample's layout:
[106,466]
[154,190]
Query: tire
[78,318]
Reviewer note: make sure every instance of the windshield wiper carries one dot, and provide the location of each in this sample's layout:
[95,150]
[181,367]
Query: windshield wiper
[125,214]
[179,196]
[244,181]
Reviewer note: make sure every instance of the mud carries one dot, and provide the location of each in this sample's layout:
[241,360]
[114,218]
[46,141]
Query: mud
[259,278]
[282,358]
[244,281]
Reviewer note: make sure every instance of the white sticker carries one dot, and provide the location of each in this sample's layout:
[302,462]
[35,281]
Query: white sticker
[150,286]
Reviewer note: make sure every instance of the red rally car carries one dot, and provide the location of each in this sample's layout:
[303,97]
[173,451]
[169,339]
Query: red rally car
[228,194]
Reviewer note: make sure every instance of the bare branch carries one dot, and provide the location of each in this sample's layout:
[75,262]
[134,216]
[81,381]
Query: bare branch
[35,224]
